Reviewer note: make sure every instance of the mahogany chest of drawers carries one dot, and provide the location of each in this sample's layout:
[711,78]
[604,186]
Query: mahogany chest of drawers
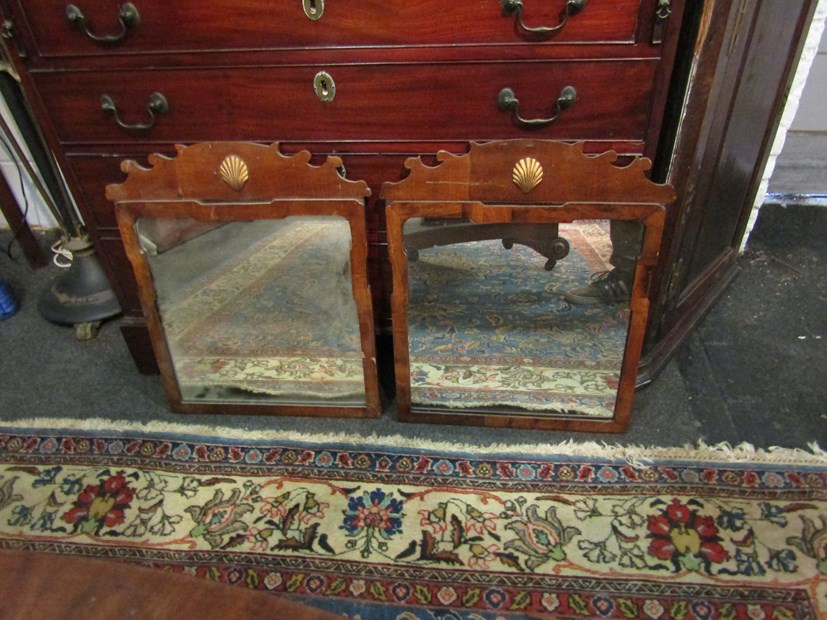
[371,81]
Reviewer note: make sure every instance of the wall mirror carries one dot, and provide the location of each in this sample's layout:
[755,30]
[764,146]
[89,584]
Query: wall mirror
[483,334]
[251,268]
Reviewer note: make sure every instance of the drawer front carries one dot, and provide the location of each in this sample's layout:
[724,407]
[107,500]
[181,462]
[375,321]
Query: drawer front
[194,25]
[119,272]
[90,174]
[388,103]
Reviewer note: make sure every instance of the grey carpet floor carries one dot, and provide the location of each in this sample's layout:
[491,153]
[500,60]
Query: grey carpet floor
[755,369]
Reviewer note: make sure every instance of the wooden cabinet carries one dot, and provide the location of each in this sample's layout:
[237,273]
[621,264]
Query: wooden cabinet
[742,58]
[373,82]
[224,25]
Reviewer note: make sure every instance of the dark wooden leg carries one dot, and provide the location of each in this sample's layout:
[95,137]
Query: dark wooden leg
[17,222]
[541,238]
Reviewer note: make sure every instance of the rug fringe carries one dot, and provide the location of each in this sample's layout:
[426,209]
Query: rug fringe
[635,455]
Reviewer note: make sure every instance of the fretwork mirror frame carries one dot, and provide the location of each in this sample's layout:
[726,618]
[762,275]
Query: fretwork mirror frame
[525,182]
[207,185]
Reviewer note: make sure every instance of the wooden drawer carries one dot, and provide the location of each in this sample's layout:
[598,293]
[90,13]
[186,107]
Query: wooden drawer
[194,25]
[372,102]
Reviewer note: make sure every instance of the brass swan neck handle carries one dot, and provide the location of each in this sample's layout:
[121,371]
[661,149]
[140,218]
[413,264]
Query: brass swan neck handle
[515,7]
[128,17]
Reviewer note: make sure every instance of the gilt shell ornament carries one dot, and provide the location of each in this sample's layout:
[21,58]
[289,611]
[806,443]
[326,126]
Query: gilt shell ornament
[234,172]
[527,174]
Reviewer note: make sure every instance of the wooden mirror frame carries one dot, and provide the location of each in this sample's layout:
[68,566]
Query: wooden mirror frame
[217,182]
[483,186]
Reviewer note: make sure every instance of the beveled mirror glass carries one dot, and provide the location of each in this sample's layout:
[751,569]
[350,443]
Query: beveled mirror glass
[259,311]
[484,333]
[259,303]
[489,328]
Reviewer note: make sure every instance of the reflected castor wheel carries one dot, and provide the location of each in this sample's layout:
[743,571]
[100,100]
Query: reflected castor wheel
[553,249]
[87,331]
[559,248]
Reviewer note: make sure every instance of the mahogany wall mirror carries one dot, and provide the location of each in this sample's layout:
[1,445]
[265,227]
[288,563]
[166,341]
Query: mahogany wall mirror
[483,334]
[251,268]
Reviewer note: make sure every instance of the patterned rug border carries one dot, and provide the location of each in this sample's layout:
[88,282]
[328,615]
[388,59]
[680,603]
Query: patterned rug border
[386,528]
[636,455]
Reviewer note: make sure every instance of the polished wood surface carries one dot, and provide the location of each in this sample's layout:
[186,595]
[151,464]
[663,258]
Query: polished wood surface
[193,174]
[55,586]
[412,78]
[220,24]
[377,102]
[485,174]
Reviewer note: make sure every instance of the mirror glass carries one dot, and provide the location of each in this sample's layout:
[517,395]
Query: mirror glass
[489,328]
[257,311]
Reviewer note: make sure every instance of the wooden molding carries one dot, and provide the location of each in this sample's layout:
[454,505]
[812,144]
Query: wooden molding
[196,172]
[486,173]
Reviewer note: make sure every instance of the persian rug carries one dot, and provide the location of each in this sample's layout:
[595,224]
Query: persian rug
[277,318]
[488,327]
[373,528]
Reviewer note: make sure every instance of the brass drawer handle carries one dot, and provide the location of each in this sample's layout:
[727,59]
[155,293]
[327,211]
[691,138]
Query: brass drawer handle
[157,105]
[128,17]
[508,101]
[515,7]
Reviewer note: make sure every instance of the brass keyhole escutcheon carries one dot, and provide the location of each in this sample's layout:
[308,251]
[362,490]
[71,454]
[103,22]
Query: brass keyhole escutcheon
[314,9]
[324,86]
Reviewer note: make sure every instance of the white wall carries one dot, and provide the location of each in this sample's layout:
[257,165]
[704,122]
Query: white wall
[38,215]
[801,167]
[794,165]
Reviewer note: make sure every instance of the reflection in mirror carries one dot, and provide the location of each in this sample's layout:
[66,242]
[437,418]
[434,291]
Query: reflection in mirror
[490,331]
[483,333]
[251,268]
[257,311]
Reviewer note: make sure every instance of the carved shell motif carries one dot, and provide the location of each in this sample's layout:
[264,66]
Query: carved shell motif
[234,172]
[527,174]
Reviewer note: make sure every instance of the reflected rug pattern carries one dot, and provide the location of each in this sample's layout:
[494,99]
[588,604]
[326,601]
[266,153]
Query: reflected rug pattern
[488,327]
[401,533]
[279,319]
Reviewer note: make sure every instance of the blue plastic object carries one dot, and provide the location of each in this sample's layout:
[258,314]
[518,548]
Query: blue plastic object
[8,302]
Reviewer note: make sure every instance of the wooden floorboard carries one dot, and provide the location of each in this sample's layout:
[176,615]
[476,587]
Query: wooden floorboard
[62,587]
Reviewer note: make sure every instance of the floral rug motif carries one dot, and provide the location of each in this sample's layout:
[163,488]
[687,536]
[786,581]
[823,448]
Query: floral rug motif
[488,327]
[277,319]
[389,532]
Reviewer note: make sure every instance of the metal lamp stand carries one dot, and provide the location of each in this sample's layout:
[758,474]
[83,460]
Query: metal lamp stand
[81,296]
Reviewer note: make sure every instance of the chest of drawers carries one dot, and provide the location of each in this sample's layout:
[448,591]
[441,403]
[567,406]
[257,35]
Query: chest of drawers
[372,81]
